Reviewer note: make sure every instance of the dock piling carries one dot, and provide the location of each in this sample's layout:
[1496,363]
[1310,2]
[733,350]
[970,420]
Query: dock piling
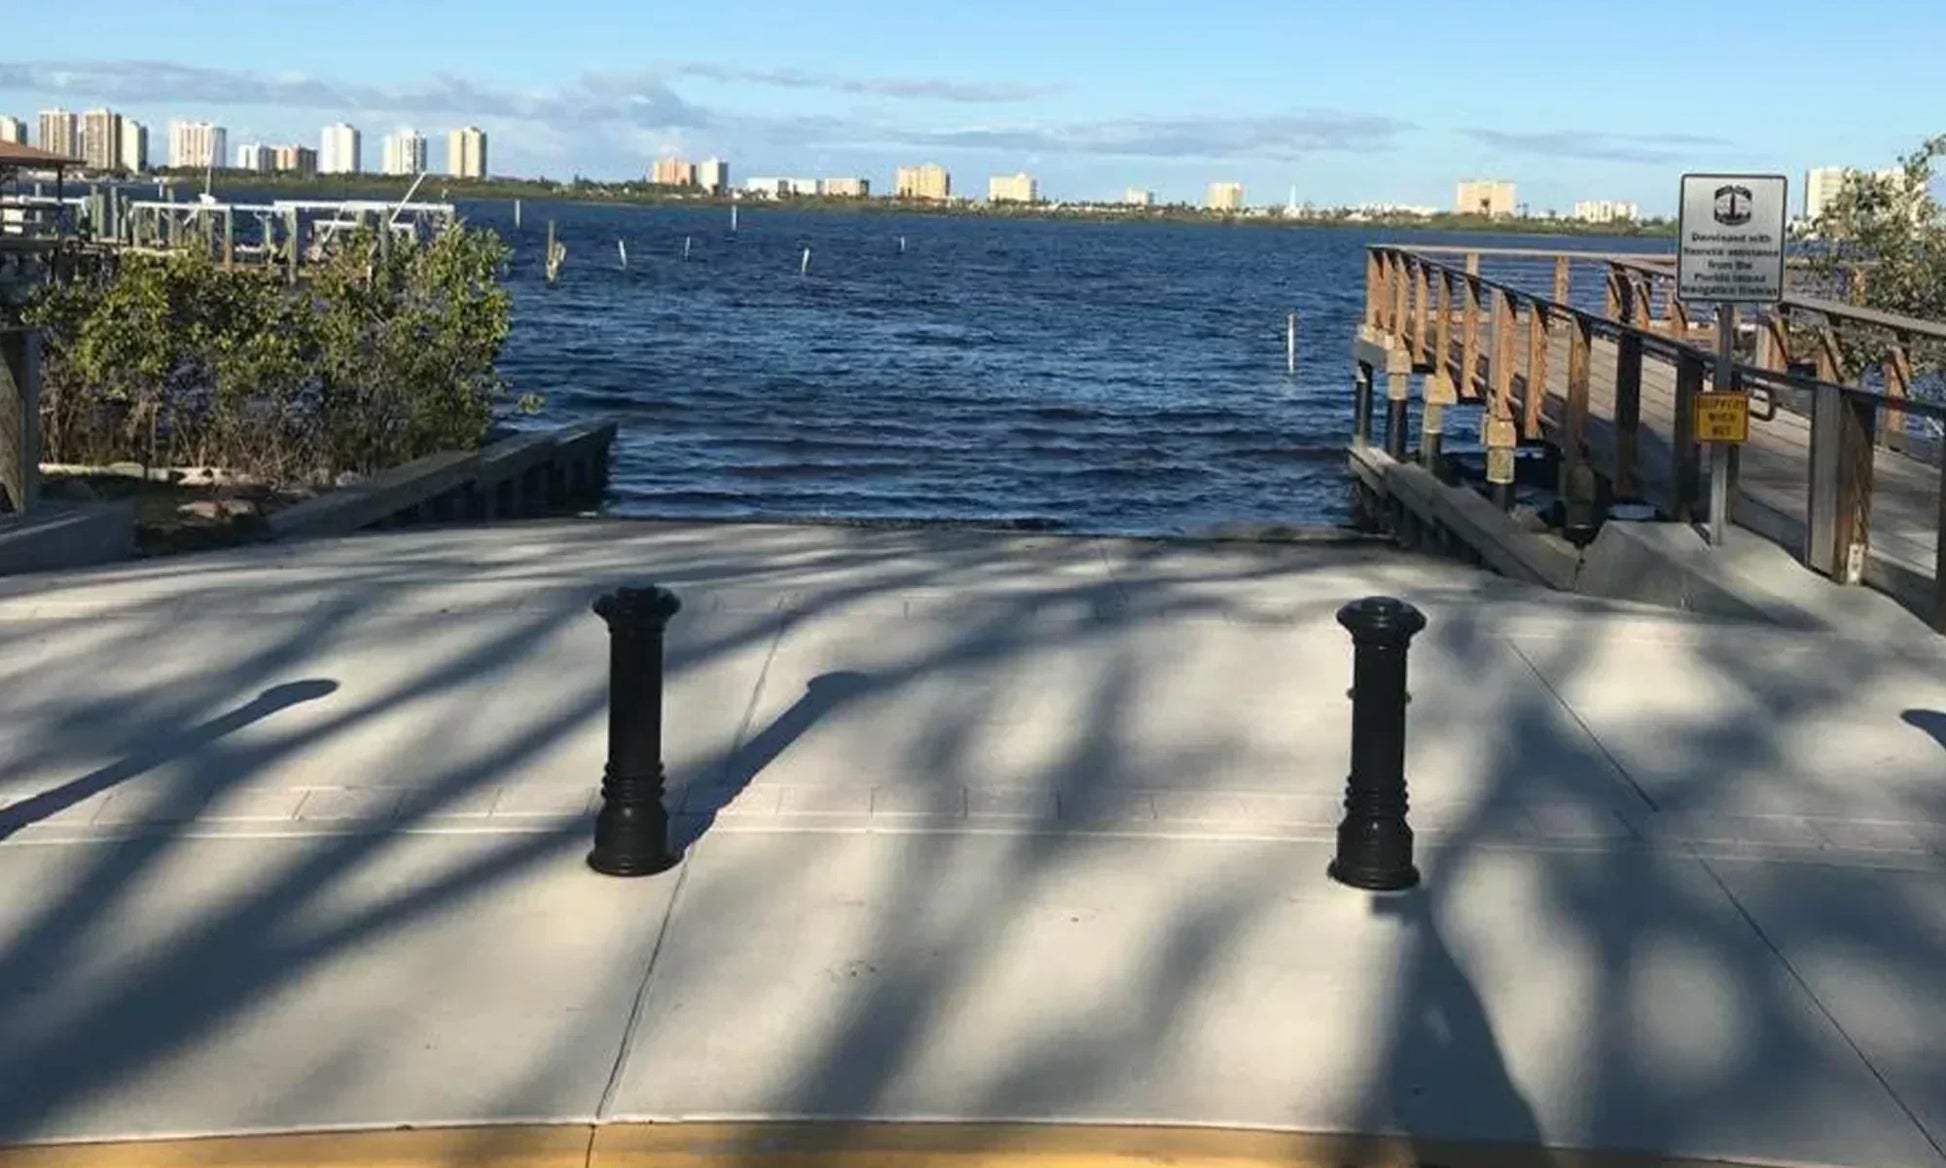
[1290,346]
[632,829]
[1374,841]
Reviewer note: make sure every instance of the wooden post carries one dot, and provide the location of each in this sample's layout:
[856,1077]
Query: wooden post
[1469,336]
[1443,328]
[1628,410]
[1374,287]
[1398,391]
[1830,359]
[1503,354]
[1839,532]
[1361,409]
[1773,341]
[1536,396]
[1421,315]
[229,240]
[1612,294]
[1678,320]
[296,243]
[1580,343]
[1472,263]
[1688,469]
[1401,274]
[1562,276]
[20,417]
[1898,384]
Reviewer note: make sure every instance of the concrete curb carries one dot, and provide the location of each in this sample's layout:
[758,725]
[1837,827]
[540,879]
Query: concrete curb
[824,1145]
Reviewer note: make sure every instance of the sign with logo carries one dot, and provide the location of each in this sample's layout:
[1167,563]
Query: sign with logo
[1723,417]
[1732,238]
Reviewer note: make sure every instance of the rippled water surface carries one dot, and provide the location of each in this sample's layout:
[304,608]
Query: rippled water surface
[1088,376]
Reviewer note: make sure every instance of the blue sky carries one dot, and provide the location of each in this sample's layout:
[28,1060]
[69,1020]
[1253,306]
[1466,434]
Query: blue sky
[1349,101]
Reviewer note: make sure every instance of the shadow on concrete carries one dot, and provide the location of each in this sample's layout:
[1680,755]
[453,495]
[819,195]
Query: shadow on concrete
[163,749]
[1932,722]
[83,1016]
[700,803]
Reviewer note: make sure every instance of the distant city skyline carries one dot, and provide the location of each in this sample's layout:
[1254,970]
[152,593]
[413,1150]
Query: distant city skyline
[1157,98]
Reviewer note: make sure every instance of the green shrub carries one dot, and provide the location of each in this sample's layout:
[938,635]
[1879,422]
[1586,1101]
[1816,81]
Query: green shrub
[383,355]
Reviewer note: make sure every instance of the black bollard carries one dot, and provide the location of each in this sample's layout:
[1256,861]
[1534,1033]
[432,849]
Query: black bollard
[632,831]
[1374,843]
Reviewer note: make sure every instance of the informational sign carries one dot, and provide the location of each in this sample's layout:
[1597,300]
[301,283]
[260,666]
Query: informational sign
[1732,238]
[1723,417]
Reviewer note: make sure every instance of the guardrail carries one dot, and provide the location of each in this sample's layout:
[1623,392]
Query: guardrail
[1477,318]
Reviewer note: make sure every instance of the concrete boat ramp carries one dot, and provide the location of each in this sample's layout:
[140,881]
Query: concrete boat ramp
[1014,845]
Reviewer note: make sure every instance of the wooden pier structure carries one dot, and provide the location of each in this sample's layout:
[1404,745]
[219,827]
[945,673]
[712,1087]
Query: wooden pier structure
[1591,359]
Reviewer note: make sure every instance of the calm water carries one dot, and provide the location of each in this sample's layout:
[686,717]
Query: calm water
[1091,377]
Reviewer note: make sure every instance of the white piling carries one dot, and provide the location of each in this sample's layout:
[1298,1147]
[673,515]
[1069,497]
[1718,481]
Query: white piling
[516,214]
[804,265]
[686,241]
[622,249]
[1290,346]
[733,216]
[901,245]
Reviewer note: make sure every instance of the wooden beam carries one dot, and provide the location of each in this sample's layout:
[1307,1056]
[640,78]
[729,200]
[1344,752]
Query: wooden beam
[1421,314]
[1773,341]
[1503,354]
[1614,298]
[1628,411]
[1563,279]
[1469,335]
[1472,263]
[1678,320]
[1688,467]
[1374,286]
[1831,356]
[1536,396]
[1443,329]
[1580,342]
[1898,384]
[1838,535]
[1401,275]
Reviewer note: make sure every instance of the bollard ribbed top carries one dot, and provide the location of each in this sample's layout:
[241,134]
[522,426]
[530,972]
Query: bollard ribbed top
[1381,618]
[637,604]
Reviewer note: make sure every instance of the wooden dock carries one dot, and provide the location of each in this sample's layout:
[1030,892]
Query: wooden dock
[1847,477]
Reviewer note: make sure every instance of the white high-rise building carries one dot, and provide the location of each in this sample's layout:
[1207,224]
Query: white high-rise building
[256,158]
[1490,197]
[135,146]
[1605,211]
[197,144]
[1137,197]
[59,133]
[405,152]
[13,130]
[342,150]
[713,175]
[1226,196]
[466,153]
[101,139]
[1013,188]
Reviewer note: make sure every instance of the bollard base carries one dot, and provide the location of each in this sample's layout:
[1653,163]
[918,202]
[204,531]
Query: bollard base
[1374,880]
[632,865]
[632,829]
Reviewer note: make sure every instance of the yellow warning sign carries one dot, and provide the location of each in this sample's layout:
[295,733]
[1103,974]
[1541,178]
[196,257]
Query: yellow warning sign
[1723,417]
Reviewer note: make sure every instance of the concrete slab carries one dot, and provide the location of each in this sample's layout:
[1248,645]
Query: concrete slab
[1103,981]
[1872,947]
[199,987]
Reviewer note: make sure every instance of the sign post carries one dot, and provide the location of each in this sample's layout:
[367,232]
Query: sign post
[1731,252]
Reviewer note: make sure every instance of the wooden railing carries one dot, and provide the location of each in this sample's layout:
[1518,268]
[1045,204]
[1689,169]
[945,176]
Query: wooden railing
[1491,321]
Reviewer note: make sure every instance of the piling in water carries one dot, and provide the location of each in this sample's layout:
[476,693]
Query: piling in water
[804,265]
[557,254]
[1290,346]
[686,241]
[622,249]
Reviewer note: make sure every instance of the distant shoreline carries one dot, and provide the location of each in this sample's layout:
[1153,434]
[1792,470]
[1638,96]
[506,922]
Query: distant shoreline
[441,188]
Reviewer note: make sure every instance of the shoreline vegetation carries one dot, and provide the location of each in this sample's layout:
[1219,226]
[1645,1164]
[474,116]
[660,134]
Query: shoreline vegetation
[444,188]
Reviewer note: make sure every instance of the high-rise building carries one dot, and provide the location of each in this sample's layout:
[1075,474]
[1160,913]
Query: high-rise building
[1491,197]
[1604,211]
[101,139]
[930,181]
[1136,197]
[466,153]
[134,152]
[197,144]
[295,160]
[713,175]
[405,152]
[1013,188]
[13,130]
[674,172]
[341,150]
[256,158]
[769,188]
[1226,196]
[847,188]
[59,133]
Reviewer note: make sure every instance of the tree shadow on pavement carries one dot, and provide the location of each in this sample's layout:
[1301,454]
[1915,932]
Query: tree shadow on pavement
[170,746]
[1932,722]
